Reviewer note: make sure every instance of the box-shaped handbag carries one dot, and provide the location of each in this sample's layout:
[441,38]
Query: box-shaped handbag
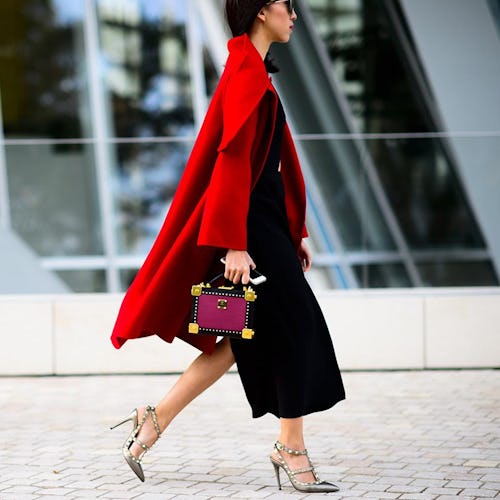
[222,311]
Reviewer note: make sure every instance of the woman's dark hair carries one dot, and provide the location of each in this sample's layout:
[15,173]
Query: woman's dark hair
[240,16]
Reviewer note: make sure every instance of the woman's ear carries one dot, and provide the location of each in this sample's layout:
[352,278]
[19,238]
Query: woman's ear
[261,15]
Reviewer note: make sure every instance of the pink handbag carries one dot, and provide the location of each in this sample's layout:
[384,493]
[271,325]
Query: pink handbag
[226,311]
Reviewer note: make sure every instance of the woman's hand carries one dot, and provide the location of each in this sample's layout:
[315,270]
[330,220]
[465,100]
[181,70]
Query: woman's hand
[305,256]
[238,264]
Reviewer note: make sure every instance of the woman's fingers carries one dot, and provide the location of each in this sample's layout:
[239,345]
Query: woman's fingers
[237,275]
[238,264]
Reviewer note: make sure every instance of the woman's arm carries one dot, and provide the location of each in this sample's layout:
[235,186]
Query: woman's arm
[227,201]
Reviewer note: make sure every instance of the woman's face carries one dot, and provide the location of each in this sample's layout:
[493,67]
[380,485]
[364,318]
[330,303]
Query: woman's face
[279,22]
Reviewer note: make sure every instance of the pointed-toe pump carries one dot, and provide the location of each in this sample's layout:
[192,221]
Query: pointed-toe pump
[279,462]
[135,462]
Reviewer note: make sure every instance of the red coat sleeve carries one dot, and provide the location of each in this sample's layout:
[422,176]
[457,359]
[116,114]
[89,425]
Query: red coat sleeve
[224,221]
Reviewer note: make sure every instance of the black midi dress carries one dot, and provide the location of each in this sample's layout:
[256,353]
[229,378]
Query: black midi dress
[289,368]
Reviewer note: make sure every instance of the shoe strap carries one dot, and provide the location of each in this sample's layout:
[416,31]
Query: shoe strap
[279,447]
[152,412]
[290,451]
[144,446]
[295,472]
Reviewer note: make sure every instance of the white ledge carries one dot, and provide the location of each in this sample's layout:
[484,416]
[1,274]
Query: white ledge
[371,329]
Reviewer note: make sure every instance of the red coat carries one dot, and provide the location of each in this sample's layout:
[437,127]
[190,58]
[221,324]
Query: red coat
[209,211]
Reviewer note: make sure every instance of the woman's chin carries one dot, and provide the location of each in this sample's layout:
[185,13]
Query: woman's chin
[284,38]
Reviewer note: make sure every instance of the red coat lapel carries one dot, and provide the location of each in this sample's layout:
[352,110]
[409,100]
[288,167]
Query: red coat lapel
[248,82]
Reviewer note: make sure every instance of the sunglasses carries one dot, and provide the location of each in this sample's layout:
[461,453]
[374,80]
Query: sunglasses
[289,4]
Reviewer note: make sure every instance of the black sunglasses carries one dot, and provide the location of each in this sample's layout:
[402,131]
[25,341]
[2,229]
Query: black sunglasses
[289,4]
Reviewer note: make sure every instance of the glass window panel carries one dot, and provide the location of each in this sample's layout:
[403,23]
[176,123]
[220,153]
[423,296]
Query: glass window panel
[495,10]
[458,274]
[53,198]
[210,73]
[368,62]
[382,276]
[425,194]
[126,278]
[42,69]
[84,281]
[146,67]
[340,176]
[146,177]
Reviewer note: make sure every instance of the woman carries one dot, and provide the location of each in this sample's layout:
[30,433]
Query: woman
[241,197]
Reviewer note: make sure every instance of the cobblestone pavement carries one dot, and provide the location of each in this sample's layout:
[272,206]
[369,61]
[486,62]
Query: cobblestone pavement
[407,435]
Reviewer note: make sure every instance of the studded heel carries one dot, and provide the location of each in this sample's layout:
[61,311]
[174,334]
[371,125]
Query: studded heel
[279,462]
[135,462]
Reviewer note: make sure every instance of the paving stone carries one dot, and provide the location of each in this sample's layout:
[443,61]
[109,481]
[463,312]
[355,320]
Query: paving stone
[375,487]
[464,484]
[417,496]
[492,486]
[448,497]
[83,493]
[442,491]
[120,495]
[354,492]
[61,492]
[215,493]
[486,470]
[479,493]
[380,494]
[491,478]
[394,480]
[19,490]
[360,478]
[370,471]
[481,463]
[18,496]
[430,475]
[406,488]
[429,483]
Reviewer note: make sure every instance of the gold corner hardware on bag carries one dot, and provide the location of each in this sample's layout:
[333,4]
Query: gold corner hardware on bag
[222,304]
[194,328]
[247,334]
[196,290]
[250,295]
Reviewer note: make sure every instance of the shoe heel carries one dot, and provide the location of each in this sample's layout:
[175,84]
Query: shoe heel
[130,418]
[277,472]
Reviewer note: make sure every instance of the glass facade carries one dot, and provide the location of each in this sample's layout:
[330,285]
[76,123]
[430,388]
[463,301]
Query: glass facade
[374,75]
[101,100]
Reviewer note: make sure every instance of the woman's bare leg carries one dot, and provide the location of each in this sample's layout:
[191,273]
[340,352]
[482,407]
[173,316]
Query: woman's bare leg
[201,374]
[292,436]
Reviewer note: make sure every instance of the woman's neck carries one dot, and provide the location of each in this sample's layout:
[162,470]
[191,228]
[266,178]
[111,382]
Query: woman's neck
[261,43]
